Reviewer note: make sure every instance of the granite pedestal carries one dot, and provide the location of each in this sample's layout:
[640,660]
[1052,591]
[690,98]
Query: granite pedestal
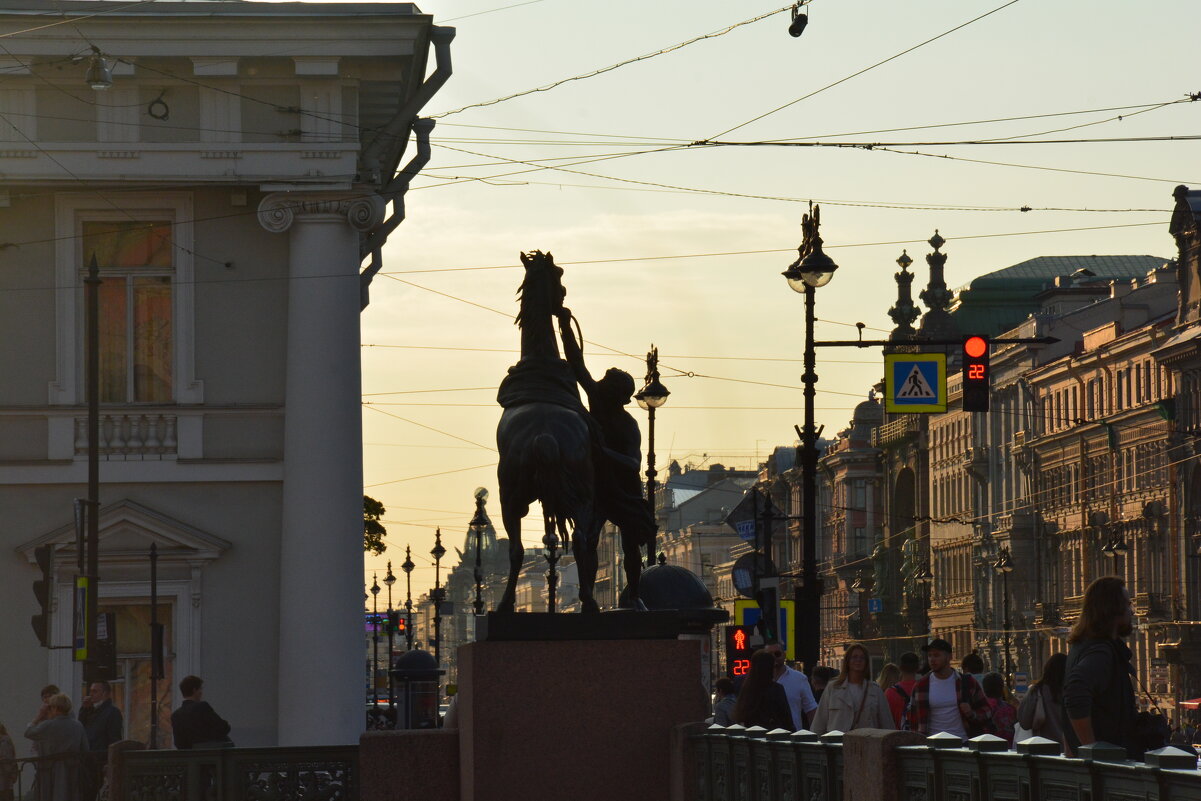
[584,719]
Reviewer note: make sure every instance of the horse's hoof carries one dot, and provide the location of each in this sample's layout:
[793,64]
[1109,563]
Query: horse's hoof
[589,607]
[505,608]
[639,606]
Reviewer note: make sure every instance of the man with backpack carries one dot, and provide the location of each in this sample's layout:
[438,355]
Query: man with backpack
[898,694]
[945,700]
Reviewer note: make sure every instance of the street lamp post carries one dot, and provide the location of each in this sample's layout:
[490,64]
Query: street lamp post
[374,633]
[390,580]
[478,523]
[811,270]
[436,594]
[407,567]
[1004,566]
[651,397]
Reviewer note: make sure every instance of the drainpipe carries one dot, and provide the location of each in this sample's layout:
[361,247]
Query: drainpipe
[373,243]
[394,188]
[397,128]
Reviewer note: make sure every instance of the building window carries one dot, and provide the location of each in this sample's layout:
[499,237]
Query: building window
[136,261]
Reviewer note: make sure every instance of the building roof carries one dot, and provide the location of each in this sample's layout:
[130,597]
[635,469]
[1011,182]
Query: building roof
[1043,269]
[204,8]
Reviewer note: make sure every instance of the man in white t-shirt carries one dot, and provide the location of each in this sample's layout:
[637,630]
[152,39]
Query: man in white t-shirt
[796,688]
[945,700]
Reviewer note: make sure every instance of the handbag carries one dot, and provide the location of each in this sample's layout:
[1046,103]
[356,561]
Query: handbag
[1037,718]
[1150,730]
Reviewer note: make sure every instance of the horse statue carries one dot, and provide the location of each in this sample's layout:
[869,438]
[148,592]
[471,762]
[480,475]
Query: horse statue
[545,436]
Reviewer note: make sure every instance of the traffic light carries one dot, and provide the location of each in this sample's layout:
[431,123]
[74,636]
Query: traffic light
[975,374]
[393,624]
[103,664]
[402,625]
[740,644]
[44,555]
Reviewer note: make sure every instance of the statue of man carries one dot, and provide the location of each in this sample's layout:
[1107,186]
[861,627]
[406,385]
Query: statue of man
[619,485]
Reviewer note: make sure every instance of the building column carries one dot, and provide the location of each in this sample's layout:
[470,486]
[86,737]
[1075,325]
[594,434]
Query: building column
[320,668]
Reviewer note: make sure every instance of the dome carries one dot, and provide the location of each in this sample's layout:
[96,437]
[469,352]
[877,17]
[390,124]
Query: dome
[868,411]
[666,586]
[416,665]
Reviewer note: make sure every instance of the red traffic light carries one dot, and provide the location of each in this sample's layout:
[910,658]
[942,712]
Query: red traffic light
[975,346]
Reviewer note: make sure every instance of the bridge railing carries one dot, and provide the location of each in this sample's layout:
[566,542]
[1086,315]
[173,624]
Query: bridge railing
[317,773]
[751,764]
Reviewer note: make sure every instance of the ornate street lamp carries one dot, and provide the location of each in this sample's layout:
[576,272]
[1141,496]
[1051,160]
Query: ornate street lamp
[812,269]
[407,567]
[374,633]
[99,76]
[436,594]
[479,523]
[1004,566]
[651,397]
[389,580]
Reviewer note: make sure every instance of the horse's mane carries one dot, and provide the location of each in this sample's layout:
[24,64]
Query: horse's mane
[537,266]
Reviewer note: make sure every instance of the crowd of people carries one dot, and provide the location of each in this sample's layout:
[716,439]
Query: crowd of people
[1084,696]
[70,752]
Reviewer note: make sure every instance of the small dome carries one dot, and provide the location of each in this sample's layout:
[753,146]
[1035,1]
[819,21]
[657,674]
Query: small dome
[416,665]
[869,411]
[670,587]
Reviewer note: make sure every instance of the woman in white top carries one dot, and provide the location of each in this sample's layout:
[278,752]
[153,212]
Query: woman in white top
[853,700]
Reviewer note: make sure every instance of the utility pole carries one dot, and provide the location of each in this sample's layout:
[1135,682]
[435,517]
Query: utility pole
[92,336]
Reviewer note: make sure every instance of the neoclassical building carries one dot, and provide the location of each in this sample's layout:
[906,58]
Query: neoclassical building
[229,167]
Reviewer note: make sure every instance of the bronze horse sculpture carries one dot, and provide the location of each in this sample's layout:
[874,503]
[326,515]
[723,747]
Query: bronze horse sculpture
[549,446]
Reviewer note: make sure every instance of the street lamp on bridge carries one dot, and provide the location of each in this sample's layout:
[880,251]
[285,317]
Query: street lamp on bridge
[812,269]
[1004,566]
[651,397]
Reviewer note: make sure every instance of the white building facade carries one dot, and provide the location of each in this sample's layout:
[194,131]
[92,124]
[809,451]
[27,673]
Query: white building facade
[230,184]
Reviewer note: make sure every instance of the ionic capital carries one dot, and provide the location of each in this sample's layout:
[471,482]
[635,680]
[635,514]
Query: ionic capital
[362,212]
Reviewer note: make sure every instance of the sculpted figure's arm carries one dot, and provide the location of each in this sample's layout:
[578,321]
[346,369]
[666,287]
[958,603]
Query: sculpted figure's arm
[571,349]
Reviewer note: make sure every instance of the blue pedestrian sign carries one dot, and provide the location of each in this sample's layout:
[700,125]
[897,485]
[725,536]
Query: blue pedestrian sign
[915,382]
[875,604]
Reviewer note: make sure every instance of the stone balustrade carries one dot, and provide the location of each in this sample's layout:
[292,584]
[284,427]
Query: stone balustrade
[131,436]
[740,764]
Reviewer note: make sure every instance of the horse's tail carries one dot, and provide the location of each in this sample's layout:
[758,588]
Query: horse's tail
[547,470]
[550,482]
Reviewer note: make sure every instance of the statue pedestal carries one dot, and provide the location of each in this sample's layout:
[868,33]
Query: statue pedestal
[578,719]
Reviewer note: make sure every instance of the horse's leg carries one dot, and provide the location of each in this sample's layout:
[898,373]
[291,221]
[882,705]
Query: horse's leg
[633,567]
[511,515]
[587,536]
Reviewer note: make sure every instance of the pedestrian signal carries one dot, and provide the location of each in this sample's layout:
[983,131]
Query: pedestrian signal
[741,642]
[975,374]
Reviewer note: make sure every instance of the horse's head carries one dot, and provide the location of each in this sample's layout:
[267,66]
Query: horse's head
[542,291]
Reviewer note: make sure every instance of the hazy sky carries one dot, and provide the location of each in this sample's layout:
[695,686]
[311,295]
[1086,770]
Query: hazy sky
[435,347]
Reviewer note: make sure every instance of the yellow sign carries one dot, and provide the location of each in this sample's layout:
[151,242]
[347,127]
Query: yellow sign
[746,613]
[915,382]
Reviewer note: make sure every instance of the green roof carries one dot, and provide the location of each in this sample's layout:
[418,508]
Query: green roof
[1044,269]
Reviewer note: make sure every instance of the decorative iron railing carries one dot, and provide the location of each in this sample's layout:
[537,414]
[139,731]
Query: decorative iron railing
[739,764]
[318,773]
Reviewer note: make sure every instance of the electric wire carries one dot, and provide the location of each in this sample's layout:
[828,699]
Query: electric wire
[864,70]
[610,68]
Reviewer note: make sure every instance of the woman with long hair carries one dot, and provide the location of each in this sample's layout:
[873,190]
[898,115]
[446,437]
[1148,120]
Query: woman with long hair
[853,700]
[762,702]
[1003,714]
[1039,711]
[1098,694]
[890,674]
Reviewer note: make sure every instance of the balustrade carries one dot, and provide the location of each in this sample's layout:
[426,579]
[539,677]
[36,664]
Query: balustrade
[738,764]
[130,436]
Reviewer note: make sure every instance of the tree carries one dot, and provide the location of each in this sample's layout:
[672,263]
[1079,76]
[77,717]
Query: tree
[373,530]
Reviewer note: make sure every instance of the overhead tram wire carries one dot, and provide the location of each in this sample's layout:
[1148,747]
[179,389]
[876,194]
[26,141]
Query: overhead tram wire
[1034,166]
[610,68]
[428,428]
[861,72]
[73,20]
[489,11]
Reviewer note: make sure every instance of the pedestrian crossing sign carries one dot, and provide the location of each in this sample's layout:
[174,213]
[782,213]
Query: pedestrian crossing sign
[915,382]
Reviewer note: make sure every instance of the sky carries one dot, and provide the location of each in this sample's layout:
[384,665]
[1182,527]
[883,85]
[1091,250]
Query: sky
[648,259]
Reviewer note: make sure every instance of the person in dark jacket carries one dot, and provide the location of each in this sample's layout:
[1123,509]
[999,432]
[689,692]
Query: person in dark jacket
[195,724]
[104,725]
[1098,694]
[761,700]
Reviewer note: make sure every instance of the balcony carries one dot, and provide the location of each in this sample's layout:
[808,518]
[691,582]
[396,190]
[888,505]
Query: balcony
[130,436]
[896,432]
[1154,606]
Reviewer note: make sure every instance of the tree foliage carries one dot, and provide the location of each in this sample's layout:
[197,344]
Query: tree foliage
[373,530]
